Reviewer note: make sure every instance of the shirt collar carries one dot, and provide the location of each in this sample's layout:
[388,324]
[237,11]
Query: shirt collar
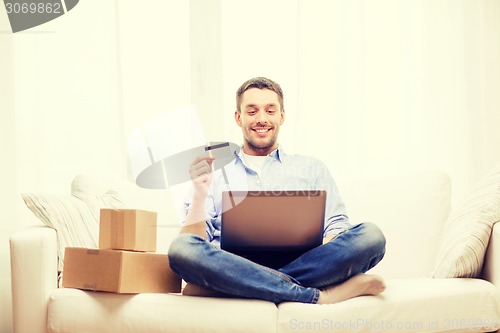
[278,154]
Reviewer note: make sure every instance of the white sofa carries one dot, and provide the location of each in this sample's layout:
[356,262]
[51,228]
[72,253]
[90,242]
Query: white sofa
[410,210]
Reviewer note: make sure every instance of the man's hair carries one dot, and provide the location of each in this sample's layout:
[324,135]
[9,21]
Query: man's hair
[260,83]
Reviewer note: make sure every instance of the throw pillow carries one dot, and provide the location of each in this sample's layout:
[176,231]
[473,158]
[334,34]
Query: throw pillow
[75,219]
[467,231]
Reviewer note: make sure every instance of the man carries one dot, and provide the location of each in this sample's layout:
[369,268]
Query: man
[329,273]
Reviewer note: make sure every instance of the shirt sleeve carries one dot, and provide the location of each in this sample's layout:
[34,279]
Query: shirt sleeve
[336,219]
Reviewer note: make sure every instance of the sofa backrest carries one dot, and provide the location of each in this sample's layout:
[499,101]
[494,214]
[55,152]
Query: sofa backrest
[411,211]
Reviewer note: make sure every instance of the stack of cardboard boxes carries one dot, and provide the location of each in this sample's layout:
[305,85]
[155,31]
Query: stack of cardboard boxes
[126,261]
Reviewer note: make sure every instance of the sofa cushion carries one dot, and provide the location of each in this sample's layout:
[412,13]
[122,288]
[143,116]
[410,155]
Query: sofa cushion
[72,310]
[467,231]
[410,210]
[75,218]
[407,305]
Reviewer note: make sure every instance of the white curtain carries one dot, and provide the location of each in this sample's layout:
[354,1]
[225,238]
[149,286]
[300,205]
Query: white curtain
[376,88]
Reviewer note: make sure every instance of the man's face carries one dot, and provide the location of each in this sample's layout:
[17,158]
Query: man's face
[260,119]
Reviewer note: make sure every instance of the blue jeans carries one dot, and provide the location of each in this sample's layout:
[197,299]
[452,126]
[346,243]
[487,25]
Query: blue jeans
[352,252]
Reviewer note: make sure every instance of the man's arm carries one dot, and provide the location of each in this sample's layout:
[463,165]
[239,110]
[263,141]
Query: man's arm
[201,175]
[195,219]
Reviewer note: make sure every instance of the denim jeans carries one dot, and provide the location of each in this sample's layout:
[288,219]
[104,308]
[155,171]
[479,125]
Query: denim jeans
[352,252]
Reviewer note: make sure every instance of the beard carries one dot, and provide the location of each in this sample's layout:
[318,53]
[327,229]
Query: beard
[261,146]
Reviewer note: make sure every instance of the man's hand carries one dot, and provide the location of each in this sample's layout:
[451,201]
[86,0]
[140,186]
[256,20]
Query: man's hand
[201,174]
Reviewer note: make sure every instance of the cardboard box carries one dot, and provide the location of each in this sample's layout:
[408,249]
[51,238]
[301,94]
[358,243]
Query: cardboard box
[127,229]
[119,271]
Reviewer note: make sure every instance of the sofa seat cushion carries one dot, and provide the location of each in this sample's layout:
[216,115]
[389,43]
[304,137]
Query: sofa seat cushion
[407,305]
[73,310]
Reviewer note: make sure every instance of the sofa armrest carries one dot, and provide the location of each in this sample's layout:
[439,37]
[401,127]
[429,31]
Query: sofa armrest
[33,258]
[491,266]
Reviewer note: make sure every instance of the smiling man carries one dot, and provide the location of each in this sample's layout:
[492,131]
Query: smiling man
[329,273]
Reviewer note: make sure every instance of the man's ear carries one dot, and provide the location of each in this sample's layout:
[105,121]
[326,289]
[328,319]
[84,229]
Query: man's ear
[237,117]
[282,118]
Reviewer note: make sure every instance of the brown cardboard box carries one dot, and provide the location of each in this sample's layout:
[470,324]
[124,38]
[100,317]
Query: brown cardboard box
[127,229]
[119,271]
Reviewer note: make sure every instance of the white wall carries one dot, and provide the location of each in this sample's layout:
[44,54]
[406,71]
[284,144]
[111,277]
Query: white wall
[155,64]
[259,38]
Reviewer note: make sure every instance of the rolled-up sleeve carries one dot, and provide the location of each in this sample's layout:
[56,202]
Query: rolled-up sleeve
[336,219]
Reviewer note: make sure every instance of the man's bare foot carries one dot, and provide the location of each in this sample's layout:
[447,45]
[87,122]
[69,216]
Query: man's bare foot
[358,285]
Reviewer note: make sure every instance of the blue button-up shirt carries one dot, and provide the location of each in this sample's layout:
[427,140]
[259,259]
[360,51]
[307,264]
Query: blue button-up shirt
[280,172]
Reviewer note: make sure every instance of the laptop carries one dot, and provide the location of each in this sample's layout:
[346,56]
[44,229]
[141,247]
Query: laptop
[272,228]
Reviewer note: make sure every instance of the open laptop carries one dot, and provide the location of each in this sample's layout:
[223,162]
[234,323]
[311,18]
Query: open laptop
[272,227]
